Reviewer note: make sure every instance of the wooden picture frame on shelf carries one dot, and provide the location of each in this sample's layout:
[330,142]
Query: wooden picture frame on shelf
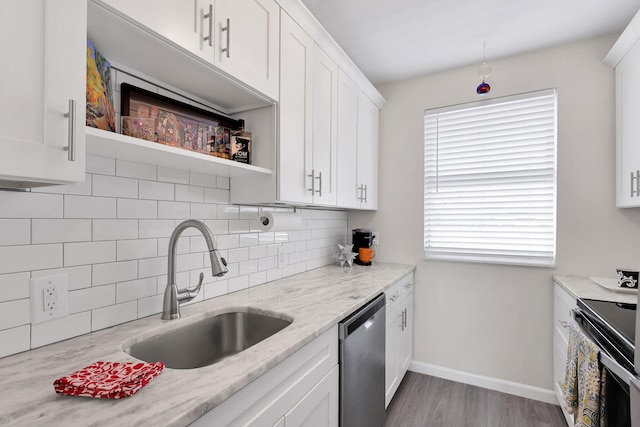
[160,119]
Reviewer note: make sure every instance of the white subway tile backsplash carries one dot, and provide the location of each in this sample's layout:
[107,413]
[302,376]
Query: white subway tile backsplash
[215,195]
[15,232]
[248,267]
[176,176]
[258,278]
[113,315]
[114,186]
[15,340]
[215,289]
[113,272]
[101,165]
[186,262]
[60,329]
[15,313]
[136,289]
[173,210]
[238,255]
[189,193]
[30,257]
[77,277]
[150,306]
[238,283]
[128,169]
[155,228]
[89,207]
[239,226]
[203,180]
[115,229]
[142,209]
[150,267]
[110,236]
[90,298]
[137,249]
[257,252]
[82,188]
[223,183]
[14,286]
[89,253]
[60,230]
[203,211]
[153,190]
[30,205]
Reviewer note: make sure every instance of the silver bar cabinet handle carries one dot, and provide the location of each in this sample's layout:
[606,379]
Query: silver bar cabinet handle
[319,178]
[209,16]
[313,181]
[228,30]
[366,193]
[71,115]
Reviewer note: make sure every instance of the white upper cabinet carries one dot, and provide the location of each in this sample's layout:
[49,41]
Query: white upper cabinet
[625,57]
[295,113]
[357,147]
[42,81]
[239,37]
[247,44]
[308,133]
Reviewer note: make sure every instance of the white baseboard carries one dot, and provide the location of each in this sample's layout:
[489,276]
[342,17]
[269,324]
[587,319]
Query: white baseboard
[517,389]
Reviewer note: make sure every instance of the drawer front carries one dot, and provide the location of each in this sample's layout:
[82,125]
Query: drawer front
[397,291]
[563,304]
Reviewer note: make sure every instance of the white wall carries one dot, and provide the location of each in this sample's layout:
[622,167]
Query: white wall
[490,320]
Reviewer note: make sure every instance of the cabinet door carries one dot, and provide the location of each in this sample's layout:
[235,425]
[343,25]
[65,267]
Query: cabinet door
[44,67]
[628,129]
[319,407]
[348,194]
[405,344]
[325,97]
[247,42]
[182,22]
[392,339]
[295,111]
[368,152]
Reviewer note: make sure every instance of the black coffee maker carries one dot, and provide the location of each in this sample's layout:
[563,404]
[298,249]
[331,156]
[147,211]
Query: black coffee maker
[362,238]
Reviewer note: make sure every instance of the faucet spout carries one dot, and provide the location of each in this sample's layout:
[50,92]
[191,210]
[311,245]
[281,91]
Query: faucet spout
[172,295]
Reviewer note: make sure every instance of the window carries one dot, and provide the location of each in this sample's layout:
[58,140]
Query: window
[490,180]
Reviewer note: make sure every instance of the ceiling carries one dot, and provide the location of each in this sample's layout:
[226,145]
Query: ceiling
[400,39]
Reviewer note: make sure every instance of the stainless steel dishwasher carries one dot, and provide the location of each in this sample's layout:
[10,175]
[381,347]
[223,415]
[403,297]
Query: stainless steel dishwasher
[362,360]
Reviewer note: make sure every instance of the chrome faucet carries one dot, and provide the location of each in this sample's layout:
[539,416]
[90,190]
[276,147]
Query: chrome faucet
[174,296]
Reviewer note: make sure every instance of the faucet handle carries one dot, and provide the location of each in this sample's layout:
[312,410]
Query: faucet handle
[187,294]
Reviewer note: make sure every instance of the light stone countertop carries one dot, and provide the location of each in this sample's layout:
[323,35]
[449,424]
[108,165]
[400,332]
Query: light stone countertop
[583,287]
[316,300]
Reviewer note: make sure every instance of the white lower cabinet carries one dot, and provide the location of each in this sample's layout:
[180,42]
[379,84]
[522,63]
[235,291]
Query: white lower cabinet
[399,334]
[563,303]
[302,390]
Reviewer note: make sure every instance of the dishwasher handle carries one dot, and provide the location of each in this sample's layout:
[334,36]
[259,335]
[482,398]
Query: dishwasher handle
[361,317]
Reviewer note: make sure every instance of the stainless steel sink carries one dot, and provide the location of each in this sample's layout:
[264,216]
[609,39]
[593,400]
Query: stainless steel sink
[207,341]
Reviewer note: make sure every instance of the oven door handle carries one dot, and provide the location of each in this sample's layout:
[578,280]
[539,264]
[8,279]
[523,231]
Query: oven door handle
[616,369]
[606,360]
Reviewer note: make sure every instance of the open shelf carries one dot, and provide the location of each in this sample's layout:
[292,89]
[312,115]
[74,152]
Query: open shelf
[116,146]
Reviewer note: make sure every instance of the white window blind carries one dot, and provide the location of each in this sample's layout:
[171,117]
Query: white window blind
[490,180]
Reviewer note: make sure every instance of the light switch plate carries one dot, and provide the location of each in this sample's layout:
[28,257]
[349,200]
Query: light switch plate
[49,298]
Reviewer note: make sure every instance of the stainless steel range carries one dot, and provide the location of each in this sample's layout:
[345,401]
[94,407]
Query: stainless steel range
[612,326]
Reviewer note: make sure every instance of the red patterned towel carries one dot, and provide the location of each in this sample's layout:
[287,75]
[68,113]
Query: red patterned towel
[110,380]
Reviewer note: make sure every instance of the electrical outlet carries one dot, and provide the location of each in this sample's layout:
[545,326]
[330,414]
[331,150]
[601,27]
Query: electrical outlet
[49,299]
[376,238]
[282,258]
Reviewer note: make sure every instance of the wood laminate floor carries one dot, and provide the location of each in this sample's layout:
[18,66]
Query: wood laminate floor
[425,401]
